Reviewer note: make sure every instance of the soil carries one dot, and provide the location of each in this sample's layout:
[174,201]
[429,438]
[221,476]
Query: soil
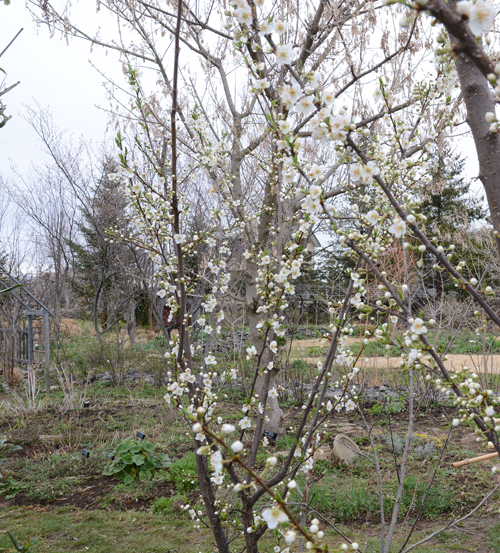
[93,491]
[476,362]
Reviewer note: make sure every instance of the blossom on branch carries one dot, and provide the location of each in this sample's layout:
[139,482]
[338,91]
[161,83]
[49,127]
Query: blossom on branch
[274,516]
[284,54]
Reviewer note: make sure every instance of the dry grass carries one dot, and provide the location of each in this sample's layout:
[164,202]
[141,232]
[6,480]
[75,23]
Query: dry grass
[72,327]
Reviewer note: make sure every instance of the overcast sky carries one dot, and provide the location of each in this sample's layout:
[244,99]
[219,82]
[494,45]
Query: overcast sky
[56,76]
[60,77]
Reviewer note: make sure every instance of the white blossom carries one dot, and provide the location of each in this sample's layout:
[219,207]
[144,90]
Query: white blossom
[284,54]
[274,516]
[481,16]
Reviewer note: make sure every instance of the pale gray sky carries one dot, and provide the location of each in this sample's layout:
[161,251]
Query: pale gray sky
[56,76]
[60,77]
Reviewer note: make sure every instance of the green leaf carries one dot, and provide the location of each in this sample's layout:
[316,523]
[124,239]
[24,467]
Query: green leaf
[11,289]
[138,459]
[128,480]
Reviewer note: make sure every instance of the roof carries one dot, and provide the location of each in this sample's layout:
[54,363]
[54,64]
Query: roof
[316,243]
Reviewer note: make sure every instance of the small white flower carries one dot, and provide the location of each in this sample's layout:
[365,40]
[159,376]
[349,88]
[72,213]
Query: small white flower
[305,105]
[463,7]
[273,346]
[284,54]
[237,446]
[455,422]
[245,423]
[251,352]
[210,360]
[243,14]
[273,392]
[398,227]
[372,217]
[227,428]
[290,537]
[315,191]
[266,28]
[179,238]
[261,84]
[216,462]
[280,26]
[273,517]
[418,327]
[350,405]
[481,17]
[490,411]
[412,356]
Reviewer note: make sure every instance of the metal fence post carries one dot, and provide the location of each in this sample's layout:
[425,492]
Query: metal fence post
[47,351]
[30,341]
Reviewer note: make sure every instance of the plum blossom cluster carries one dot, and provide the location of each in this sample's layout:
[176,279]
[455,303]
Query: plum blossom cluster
[473,398]
[479,13]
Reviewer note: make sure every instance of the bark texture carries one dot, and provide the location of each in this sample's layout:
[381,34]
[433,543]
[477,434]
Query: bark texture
[479,100]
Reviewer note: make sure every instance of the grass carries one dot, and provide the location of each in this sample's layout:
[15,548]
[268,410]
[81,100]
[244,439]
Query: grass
[348,499]
[166,529]
[149,516]
[494,538]
[61,530]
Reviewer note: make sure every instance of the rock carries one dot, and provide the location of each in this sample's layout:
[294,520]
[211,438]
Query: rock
[345,449]
[347,429]
[323,453]
[282,453]
[469,440]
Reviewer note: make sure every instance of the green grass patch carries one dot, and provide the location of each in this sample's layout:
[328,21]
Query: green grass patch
[61,530]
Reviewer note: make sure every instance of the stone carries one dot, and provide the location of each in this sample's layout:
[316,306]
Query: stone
[470,439]
[345,449]
[282,454]
[323,453]
[347,428]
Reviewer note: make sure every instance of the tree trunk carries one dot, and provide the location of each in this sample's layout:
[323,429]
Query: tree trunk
[479,101]
[273,410]
[131,322]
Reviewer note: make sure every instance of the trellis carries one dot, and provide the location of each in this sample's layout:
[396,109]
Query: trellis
[31,342]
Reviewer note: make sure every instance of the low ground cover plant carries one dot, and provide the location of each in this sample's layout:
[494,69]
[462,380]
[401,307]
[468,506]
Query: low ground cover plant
[135,460]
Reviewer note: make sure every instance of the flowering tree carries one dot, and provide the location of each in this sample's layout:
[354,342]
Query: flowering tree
[295,111]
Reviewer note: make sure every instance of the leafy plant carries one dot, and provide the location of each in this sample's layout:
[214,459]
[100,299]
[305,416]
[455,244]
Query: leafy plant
[135,460]
[395,443]
[9,488]
[23,548]
[424,451]
[183,473]
[164,505]
[4,448]
[392,407]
